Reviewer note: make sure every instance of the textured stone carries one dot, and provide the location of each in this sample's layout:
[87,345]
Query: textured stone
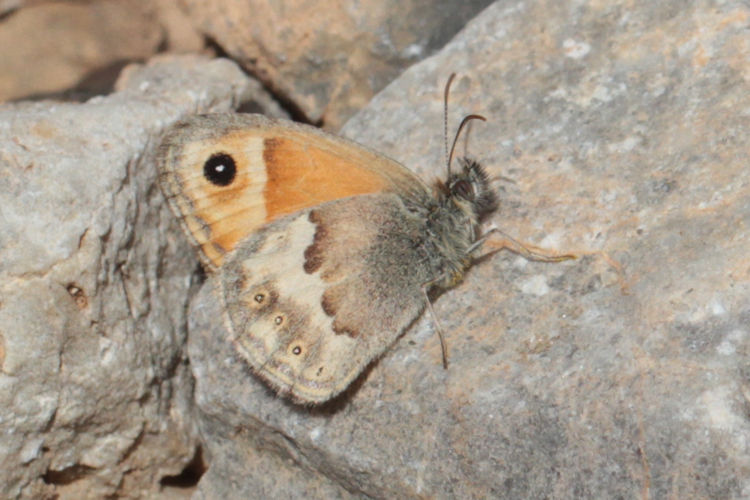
[8,6]
[619,132]
[77,49]
[96,389]
[327,59]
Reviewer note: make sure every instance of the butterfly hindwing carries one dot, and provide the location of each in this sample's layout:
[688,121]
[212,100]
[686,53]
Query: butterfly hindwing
[295,290]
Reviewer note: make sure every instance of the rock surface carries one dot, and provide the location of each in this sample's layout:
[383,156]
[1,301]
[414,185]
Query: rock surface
[76,49]
[96,391]
[327,59]
[324,60]
[617,132]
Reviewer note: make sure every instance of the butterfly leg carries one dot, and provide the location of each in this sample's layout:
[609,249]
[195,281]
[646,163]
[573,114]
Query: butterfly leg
[497,243]
[438,328]
[498,240]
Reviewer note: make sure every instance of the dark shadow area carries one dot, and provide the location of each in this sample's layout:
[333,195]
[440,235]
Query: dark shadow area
[190,475]
[101,81]
[67,475]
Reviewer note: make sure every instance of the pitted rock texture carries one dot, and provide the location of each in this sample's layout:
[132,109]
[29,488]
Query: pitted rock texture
[96,391]
[616,132]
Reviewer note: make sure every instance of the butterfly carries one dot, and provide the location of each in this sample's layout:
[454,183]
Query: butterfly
[325,251]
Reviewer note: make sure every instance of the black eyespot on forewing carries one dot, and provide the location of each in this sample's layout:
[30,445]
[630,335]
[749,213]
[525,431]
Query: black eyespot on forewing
[220,169]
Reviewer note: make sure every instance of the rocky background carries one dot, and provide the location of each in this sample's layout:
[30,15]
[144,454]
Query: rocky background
[617,130]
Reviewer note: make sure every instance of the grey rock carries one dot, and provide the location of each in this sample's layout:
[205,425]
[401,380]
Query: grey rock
[96,391]
[616,132]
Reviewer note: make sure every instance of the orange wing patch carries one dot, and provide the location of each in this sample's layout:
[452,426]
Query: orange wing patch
[304,175]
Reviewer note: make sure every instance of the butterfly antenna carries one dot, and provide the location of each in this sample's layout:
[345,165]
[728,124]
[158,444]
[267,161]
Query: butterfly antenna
[466,120]
[445,120]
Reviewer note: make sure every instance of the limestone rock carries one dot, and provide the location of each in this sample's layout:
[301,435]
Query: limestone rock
[96,389]
[617,132]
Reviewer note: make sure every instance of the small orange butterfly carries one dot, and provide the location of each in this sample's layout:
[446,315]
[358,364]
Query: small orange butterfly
[325,250]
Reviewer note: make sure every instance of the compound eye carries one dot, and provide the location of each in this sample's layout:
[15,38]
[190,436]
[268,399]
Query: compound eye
[463,189]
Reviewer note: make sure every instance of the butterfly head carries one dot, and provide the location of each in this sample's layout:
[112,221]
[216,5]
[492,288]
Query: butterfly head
[463,201]
[470,191]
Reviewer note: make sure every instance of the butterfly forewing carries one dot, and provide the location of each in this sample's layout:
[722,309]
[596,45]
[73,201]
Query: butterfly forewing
[227,175]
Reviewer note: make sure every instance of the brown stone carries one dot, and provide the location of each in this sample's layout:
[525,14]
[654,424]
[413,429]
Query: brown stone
[76,49]
[327,59]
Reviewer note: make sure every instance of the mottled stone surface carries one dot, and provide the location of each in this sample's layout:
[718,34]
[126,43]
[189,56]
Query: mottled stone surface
[616,131]
[95,277]
[8,6]
[327,59]
[76,49]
